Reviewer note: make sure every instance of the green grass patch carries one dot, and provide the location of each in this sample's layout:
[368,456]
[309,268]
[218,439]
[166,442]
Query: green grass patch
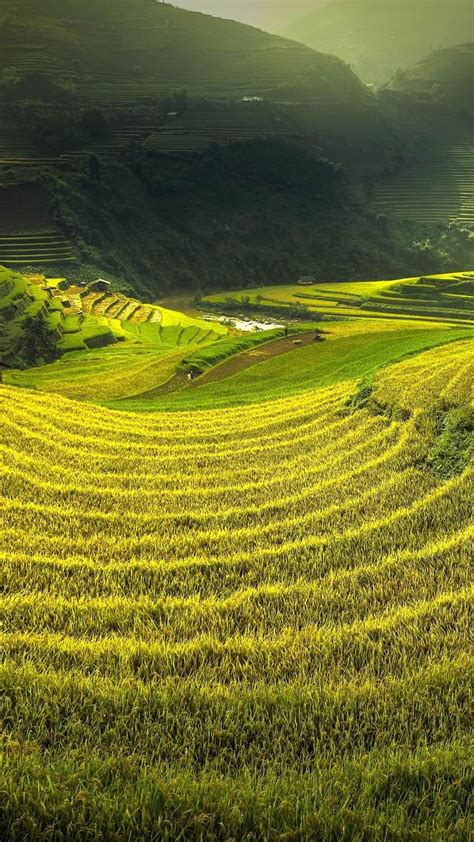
[351,353]
[453,448]
[210,356]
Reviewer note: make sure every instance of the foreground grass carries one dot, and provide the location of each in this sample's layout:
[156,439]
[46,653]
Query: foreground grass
[422,796]
[251,623]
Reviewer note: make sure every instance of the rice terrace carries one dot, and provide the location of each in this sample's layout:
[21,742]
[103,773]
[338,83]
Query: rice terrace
[237,420]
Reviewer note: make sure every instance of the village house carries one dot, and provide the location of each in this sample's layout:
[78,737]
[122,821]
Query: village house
[100,285]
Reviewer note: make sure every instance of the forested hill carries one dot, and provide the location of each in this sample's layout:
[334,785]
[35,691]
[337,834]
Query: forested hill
[128,50]
[379,37]
[444,77]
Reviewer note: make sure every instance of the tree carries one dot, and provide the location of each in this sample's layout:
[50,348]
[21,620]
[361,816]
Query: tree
[94,123]
[36,344]
[95,171]
[180,101]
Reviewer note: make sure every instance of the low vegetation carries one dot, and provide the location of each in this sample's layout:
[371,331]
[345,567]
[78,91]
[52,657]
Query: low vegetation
[211,355]
[99,345]
[448,298]
[246,623]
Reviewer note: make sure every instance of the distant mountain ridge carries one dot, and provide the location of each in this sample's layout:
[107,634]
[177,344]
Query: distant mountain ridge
[379,37]
[267,14]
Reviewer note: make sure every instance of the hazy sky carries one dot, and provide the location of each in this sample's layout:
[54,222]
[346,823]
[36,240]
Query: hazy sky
[264,13]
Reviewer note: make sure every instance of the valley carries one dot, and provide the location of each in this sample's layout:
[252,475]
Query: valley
[237,418]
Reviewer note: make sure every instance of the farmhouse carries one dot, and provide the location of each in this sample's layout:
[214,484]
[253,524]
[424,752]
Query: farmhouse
[306,280]
[100,285]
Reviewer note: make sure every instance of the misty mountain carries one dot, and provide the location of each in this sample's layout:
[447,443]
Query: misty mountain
[379,37]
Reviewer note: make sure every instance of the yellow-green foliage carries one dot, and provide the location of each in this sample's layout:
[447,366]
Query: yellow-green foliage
[140,355]
[249,623]
[440,297]
[442,376]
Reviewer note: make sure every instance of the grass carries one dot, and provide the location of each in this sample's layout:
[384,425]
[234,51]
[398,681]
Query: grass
[101,357]
[249,623]
[350,350]
[211,355]
[114,372]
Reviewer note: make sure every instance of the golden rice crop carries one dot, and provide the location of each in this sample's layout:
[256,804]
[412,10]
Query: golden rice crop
[250,623]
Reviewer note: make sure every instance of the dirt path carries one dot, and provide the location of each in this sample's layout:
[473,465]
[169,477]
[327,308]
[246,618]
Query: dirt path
[246,359]
[239,362]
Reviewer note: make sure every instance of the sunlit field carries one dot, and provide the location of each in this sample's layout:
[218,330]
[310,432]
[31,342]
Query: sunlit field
[448,297]
[248,621]
[237,415]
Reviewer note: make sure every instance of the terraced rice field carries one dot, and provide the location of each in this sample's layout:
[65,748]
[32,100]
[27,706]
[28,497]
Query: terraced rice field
[196,129]
[152,49]
[17,148]
[437,187]
[153,340]
[250,623]
[36,249]
[442,298]
[120,371]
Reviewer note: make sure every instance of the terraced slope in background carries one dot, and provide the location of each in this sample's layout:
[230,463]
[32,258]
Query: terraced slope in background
[18,149]
[430,104]
[49,247]
[444,76]
[153,48]
[448,298]
[110,346]
[28,235]
[196,129]
[438,189]
[234,623]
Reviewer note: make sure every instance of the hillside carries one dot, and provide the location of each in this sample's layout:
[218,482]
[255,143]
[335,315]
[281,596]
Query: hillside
[156,224]
[378,38]
[68,97]
[86,342]
[104,153]
[109,347]
[444,78]
[152,49]
[219,622]
[431,105]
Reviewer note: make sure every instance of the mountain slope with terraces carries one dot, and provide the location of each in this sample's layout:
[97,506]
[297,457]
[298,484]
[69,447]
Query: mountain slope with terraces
[153,48]
[444,77]
[97,343]
[161,62]
[431,105]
